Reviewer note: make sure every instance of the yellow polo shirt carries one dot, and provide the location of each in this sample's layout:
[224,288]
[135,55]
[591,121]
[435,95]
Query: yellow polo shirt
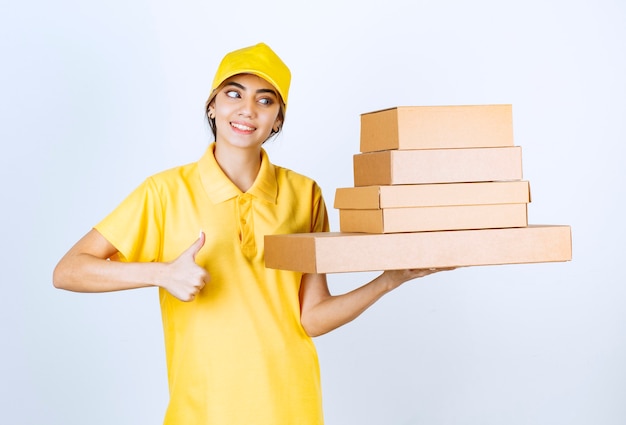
[237,354]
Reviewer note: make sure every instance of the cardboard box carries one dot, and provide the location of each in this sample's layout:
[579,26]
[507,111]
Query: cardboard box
[438,166]
[430,195]
[434,127]
[423,219]
[339,252]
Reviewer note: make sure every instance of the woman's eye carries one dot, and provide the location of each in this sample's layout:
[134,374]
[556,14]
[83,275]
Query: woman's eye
[232,93]
[265,101]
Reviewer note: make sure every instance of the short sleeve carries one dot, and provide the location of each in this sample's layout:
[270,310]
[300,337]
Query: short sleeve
[319,222]
[135,226]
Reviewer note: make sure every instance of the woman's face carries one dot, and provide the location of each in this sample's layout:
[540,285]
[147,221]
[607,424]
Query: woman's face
[246,109]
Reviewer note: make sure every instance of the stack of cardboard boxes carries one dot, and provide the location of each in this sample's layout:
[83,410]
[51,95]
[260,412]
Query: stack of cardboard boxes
[434,186]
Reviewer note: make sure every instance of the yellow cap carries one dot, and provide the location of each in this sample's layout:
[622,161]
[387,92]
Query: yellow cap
[259,60]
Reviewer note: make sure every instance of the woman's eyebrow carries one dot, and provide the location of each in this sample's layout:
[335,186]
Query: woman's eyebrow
[233,83]
[267,91]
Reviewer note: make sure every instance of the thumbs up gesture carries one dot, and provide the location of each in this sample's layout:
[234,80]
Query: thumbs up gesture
[184,277]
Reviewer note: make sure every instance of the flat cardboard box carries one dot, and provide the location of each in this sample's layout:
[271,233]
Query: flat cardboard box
[437,166]
[430,195]
[435,127]
[424,219]
[339,252]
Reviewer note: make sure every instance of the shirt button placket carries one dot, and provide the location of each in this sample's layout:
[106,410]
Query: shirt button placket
[246,227]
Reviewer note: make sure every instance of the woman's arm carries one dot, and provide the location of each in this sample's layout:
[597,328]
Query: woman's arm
[322,312]
[87,267]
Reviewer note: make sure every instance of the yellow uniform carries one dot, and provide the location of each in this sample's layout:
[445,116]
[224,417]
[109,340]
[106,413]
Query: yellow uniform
[237,354]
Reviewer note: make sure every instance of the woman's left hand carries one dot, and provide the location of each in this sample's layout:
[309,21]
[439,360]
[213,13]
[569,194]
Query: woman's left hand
[398,277]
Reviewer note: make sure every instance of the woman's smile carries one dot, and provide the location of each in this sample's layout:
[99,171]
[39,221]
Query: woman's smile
[241,127]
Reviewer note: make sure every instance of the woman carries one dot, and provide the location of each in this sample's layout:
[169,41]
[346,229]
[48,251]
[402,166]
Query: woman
[237,335]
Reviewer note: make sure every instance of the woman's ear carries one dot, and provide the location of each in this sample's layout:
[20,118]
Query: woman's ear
[211,111]
[277,124]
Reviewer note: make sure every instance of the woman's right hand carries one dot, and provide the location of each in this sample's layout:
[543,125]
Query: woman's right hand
[183,277]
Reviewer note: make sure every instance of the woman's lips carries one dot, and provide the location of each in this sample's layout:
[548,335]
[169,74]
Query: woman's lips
[242,127]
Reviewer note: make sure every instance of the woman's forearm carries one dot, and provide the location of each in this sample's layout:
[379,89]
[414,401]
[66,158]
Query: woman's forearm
[87,268]
[335,311]
[322,312]
[83,272]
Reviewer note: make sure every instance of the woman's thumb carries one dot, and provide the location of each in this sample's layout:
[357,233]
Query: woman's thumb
[197,245]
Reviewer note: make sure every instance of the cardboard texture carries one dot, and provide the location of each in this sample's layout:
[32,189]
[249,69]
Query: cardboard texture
[437,166]
[430,195]
[355,252]
[433,127]
[434,187]
[420,219]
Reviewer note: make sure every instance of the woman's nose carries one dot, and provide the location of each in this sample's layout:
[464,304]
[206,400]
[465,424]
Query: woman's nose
[247,108]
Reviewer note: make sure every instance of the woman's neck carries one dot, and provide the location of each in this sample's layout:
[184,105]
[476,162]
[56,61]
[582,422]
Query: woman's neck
[241,165]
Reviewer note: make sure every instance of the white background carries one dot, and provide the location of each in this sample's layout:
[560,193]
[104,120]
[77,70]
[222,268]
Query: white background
[96,96]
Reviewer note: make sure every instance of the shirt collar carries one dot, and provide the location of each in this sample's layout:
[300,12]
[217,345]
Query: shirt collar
[219,188]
